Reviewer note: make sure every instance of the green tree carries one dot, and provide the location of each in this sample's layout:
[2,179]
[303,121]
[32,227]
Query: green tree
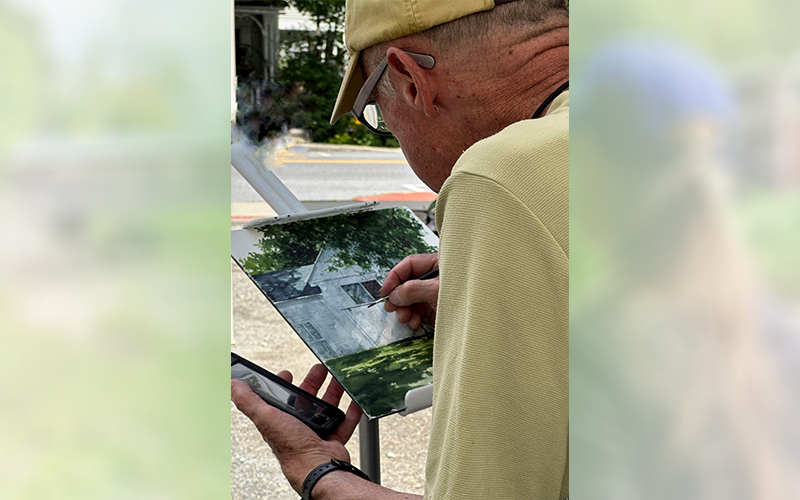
[22,81]
[310,74]
[311,70]
[368,240]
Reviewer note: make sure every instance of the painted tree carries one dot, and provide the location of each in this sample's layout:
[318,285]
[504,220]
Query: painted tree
[368,240]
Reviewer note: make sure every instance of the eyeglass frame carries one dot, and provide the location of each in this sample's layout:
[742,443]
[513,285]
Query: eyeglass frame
[364,97]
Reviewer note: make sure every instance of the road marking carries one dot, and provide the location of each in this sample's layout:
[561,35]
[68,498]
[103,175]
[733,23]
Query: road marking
[415,188]
[398,197]
[394,162]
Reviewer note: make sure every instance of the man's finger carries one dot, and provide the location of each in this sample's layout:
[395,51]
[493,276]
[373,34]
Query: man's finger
[397,275]
[409,268]
[286,375]
[351,419]
[333,394]
[416,291]
[272,423]
[249,403]
[314,379]
[425,311]
[403,314]
[245,399]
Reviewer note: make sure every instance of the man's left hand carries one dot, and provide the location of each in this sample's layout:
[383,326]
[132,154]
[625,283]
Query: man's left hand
[298,449]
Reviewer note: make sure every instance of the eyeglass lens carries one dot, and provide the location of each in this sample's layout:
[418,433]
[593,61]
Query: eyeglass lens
[374,118]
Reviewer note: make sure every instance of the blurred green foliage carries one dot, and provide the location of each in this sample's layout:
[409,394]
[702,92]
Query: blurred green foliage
[20,82]
[115,294]
[751,30]
[769,222]
[356,133]
[305,90]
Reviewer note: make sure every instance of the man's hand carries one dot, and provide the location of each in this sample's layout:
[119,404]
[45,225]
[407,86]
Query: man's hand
[411,298]
[296,446]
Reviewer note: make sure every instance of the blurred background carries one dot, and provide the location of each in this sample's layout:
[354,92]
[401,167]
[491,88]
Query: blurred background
[685,230]
[114,282]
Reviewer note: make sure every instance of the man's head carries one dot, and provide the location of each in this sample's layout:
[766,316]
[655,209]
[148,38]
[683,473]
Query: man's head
[486,68]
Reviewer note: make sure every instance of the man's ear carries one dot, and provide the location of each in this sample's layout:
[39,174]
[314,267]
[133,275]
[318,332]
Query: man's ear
[412,82]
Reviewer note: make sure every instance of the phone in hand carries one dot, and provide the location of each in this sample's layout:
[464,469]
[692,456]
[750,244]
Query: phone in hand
[323,418]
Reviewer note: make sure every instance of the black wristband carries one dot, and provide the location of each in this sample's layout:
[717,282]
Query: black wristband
[319,471]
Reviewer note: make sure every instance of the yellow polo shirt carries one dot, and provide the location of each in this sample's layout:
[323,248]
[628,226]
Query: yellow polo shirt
[501,350]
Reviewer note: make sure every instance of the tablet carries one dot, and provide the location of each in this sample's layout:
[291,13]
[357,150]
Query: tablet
[320,272]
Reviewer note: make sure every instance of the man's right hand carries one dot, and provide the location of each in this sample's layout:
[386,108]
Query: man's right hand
[411,298]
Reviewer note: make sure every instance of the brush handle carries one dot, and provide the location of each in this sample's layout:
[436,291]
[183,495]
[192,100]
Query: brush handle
[429,275]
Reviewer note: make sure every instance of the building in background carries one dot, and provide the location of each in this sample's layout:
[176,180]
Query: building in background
[258,27]
[256,39]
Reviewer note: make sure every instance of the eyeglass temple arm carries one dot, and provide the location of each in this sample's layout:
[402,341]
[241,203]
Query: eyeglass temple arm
[423,60]
[368,88]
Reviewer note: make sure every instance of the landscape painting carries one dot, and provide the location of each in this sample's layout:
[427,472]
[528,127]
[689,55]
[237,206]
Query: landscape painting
[321,274]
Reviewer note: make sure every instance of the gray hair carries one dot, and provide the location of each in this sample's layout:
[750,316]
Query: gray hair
[449,38]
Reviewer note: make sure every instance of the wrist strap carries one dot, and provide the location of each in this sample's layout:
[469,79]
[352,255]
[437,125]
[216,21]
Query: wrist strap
[319,471]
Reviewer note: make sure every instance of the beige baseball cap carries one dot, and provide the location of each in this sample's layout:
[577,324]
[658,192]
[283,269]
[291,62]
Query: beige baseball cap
[368,22]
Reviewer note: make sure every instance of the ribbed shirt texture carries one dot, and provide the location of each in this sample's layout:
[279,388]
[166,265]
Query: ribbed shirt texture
[501,349]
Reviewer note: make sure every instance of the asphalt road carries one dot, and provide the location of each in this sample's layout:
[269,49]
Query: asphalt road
[330,173]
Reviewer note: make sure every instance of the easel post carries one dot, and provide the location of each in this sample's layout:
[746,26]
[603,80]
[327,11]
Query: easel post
[369,440]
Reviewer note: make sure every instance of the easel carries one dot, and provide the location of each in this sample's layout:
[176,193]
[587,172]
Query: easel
[285,203]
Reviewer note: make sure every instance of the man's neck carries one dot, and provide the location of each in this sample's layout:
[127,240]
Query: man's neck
[523,76]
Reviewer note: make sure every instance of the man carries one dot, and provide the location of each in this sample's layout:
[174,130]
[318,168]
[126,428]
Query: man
[476,95]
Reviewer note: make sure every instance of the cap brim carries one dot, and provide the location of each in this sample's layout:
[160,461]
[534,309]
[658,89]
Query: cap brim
[351,85]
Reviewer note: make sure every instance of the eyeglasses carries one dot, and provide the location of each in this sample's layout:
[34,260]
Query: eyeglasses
[365,109]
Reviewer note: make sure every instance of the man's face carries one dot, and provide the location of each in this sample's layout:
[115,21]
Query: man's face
[426,112]
[430,144]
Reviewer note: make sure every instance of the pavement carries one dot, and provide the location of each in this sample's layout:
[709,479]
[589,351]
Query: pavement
[261,335]
[320,172]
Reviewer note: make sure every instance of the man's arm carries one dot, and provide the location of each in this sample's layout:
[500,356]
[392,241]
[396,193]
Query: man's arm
[342,485]
[299,450]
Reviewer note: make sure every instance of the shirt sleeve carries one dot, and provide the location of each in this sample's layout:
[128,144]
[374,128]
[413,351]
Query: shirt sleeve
[501,350]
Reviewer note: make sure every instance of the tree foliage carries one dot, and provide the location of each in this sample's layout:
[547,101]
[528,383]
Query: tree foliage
[368,240]
[311,70]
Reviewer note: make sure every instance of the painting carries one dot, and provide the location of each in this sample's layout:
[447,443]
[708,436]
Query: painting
[322,273]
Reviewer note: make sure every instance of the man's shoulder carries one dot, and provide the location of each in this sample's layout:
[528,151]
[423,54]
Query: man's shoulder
[520,150]
[529,160]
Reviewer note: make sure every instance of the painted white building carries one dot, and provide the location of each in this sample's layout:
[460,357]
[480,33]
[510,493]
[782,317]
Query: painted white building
[323,306]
